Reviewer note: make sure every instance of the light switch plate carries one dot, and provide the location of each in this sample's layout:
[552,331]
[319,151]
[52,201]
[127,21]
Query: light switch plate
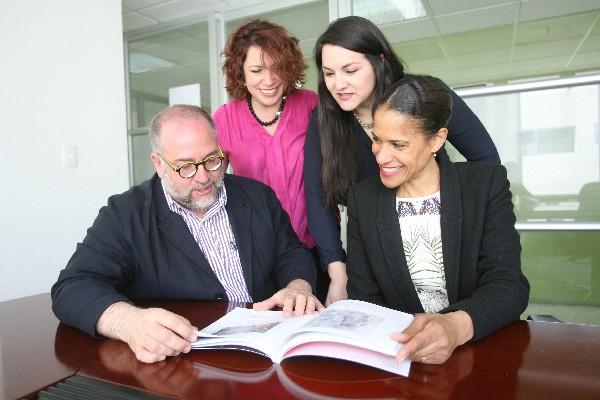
[69,156]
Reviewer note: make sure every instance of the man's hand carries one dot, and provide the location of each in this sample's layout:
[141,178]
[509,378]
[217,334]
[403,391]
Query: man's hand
[431,338]
[152,334]
[339,279]
[295,299]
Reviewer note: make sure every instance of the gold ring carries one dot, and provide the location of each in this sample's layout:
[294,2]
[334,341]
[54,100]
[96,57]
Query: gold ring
[423,359]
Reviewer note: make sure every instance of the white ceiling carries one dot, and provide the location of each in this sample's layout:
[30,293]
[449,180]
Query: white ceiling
[144,14]
[461,41]
[449,16]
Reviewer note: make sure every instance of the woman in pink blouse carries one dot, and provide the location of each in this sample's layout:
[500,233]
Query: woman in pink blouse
[263,128]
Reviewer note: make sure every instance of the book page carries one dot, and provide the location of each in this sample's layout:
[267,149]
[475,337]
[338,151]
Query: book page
[355,322]
[245,329]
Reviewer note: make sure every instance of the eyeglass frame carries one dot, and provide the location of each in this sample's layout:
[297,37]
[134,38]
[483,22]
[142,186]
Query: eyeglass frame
[196,164]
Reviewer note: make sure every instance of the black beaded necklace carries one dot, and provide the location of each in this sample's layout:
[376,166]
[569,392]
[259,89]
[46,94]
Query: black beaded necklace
[265,123]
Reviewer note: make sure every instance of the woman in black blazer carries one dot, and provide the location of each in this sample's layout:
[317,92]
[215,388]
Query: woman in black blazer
[429,236]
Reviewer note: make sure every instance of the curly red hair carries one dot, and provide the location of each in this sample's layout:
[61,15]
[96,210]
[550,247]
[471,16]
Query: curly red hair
[275,42]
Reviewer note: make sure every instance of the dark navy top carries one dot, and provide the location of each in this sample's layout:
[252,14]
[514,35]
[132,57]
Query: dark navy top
[465,131]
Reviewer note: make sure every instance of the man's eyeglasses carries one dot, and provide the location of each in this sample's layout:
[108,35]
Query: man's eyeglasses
[189,169]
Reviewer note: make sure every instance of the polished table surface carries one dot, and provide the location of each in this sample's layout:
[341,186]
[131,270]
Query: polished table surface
[526,360]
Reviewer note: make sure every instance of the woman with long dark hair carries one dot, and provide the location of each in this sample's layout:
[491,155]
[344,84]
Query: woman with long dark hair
[356,64]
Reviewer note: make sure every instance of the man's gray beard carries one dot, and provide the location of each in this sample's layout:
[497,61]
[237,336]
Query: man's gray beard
[185,198]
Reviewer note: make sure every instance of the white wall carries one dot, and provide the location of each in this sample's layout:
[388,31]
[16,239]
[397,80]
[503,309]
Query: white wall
[61,83]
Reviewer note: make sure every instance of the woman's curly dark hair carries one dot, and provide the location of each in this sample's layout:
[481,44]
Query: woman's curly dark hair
[275,42]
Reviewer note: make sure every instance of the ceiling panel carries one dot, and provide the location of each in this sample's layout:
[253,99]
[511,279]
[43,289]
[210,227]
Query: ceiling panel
[410,30]
[502,14]
[555,29]
[476,74]
[539,66]
[433,66]
[588,56]
[483,40]
[296,19]
[178,56]
[538,9]
[483,58]
[418,50]
[137,4]
[175,9]
[592,42]
[166,38]
[583,61]
[132,20]
[199,31]
[453,6]
[175,46]
[530,51]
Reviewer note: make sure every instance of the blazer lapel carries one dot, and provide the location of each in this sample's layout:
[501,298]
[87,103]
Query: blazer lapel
[175,229]
[240,214]
[451,225]
[390,239]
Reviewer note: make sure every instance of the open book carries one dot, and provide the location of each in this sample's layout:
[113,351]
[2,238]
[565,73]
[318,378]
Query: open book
[348,329]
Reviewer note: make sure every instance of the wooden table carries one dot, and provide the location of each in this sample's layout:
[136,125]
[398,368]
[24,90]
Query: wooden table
[525,360]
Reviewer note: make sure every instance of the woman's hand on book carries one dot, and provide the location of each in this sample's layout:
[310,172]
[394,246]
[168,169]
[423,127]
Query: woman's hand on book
[295,299]
[431,338]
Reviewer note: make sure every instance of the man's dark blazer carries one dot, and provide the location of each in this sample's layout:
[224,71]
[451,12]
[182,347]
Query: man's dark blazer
[480,246]
[138,248]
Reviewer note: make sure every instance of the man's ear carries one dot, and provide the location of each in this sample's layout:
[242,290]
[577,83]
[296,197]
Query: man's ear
[157,163]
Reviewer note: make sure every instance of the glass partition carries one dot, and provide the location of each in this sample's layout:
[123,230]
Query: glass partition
[547,134]
[563,268]
[140,152]
[549,141]
[156,64]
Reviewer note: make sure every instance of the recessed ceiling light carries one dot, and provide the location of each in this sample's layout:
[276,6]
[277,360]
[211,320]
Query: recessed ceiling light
[383,12]
[141,62]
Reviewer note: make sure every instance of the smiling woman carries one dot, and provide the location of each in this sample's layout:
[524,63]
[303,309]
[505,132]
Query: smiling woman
[461,274]
[262,130]
[409,132]
[356,64]
[350,78]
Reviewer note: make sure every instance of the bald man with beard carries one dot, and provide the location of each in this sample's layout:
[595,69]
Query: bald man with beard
[190,232]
